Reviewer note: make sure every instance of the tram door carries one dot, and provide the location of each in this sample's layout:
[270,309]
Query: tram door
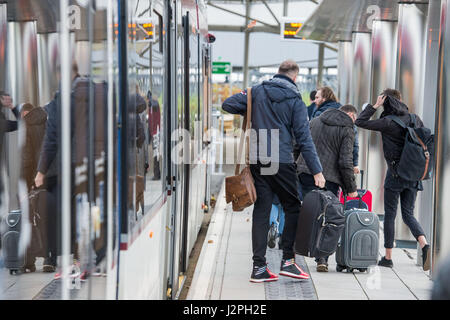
[177,145]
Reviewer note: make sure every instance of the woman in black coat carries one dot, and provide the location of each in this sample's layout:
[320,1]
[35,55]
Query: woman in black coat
[393,137]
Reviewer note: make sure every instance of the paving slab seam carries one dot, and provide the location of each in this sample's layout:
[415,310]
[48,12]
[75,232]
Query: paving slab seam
[223,246]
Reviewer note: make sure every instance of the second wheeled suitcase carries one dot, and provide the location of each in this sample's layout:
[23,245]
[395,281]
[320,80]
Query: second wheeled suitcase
[320,224]
[41,201]
[363,201]
[358,246]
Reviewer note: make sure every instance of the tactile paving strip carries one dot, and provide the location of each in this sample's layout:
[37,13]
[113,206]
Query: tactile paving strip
[287,288]
[53,291]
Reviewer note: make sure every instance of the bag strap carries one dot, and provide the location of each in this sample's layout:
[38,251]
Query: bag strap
[413,120]
[245,125]
[398,121]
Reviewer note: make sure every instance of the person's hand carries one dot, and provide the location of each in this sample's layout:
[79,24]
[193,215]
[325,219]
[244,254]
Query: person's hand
[380,102]
[39,180]
[6,101]
[356,170]
[353,194]
[319,180]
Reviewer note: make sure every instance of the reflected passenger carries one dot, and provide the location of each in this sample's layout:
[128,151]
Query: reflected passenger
[154,125]
[278,106]
[5,126]
[35,119]
[49,169]
[395,187]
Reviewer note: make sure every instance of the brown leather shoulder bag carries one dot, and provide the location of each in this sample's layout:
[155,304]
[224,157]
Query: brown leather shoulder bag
[240,188]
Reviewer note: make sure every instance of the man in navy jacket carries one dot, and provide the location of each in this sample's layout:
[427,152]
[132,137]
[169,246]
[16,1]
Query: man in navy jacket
[278,114]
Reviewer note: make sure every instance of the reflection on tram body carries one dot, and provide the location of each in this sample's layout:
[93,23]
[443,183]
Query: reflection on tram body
[109,216]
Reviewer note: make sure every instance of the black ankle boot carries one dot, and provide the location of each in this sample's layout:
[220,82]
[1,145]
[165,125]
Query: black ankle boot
[386,263]
[426,257]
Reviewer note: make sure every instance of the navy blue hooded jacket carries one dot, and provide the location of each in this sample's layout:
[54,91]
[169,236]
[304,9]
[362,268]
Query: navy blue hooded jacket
[277,104]
[324,107]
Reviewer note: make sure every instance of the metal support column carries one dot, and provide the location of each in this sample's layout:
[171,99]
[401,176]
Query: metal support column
[320,65]
[246,45]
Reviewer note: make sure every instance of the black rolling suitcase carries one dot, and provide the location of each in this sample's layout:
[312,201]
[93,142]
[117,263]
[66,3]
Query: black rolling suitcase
[320,224]
[13,255]
[358,247]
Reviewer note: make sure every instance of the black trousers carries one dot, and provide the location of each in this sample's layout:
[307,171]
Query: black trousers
[308,185]
[285,185]
[395,188]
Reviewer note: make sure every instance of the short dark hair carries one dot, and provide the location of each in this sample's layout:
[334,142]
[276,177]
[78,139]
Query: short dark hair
[312,95]
[289,67]
[392,93]
[26,107]
[348,108]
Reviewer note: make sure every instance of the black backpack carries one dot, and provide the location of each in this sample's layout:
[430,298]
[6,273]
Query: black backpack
[417,156]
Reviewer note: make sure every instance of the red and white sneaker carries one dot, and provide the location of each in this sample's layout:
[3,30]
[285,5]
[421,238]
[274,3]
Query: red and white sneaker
[290,269]
[262,274]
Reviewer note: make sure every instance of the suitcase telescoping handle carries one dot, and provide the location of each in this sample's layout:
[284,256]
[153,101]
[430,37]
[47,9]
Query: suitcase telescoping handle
[359,195]
[362,178]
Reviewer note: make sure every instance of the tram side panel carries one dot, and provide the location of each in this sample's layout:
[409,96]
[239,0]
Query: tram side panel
[144,243]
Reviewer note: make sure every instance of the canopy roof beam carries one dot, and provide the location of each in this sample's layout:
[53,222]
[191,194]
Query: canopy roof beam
[240,14]
[271,12]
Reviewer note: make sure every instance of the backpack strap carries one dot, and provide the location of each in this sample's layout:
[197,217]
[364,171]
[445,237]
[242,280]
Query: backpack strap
[413,120]
[398,121]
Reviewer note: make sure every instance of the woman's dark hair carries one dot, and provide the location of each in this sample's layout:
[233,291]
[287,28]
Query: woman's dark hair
[312,95]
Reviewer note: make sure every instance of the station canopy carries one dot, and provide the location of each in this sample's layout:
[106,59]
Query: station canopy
[265,24]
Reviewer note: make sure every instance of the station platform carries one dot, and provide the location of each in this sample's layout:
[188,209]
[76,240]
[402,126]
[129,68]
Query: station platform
[225,263]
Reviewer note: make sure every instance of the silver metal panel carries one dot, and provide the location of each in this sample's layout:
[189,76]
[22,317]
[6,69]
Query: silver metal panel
[384,49]
[345,66]
[23,62]
[429,107]
[410,75]
[335,20]
[45,12]
[441,243]
[3,43]
[360,88]
[23,80]
[48,58]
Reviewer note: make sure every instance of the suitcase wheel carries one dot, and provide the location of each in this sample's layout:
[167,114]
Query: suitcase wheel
[362,269]
[349,270]
[340,268]
[13,271]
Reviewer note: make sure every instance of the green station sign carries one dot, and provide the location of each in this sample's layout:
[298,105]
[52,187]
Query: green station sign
[221,67]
